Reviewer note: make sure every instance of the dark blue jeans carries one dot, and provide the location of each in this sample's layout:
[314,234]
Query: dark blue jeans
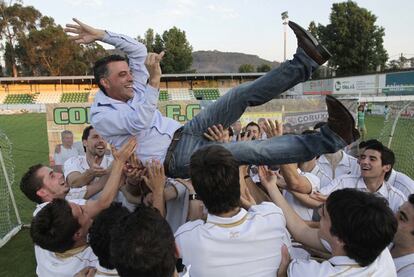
[229,108]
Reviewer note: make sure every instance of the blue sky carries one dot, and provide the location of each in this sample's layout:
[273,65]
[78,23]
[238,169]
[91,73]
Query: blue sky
[248,26]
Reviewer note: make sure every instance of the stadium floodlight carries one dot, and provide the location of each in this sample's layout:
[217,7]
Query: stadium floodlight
[285,18]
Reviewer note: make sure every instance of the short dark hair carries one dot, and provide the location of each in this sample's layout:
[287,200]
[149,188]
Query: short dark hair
[31,183]
[363,221]
[252,123]
[365,143]
[100,69]
[411,198]
[85,135]
[143,244]
[215,176]
[54,226]
[411,201]
[99,233]
[387,156]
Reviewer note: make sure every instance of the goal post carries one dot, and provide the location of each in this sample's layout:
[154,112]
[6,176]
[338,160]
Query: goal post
[10,222]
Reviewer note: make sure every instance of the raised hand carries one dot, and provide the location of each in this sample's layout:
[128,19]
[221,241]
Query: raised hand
[267,177]
[122,155]
[273,129]
[96,170]
[83,33]
[156,176]
[215,133]
[152,63]
[247,136]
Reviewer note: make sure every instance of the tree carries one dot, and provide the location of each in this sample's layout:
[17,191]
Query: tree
[178,58]
[148,40]
[178,51]
[400,63]
[15,21]
[48,51]
[263,68]
[352,37]
[246,68]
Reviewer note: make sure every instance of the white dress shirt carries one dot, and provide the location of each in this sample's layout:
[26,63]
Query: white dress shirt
[247,244]
[116,121]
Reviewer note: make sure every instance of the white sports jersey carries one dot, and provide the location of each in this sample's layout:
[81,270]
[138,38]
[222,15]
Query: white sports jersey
[405,265]
[304,212]
[394,197]
[67,264]
[343,266]
[247,244]
[402,182]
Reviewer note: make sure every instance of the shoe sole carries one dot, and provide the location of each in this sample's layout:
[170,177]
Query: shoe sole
[321,49]
[355,133]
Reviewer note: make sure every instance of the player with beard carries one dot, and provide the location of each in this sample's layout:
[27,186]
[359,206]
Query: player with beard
[83,171]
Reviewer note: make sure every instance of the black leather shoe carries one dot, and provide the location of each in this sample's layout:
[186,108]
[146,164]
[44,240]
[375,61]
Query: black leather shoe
[309,44]
[341,121]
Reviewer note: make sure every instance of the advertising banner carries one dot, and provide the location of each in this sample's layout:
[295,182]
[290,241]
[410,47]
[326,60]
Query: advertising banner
[318,87]
[399,83]
[299,113]
[356,85]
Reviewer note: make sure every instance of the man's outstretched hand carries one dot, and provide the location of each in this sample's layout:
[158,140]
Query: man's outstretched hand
[83,33]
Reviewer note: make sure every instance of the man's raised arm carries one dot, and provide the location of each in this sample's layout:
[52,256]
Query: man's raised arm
[108,119]
[114,181]
[296,225]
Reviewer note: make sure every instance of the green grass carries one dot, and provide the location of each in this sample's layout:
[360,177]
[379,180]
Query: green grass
[402,142]
[17,256]
[28,134]
[29,137]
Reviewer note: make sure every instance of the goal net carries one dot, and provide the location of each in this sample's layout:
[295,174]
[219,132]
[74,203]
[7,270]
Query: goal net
[10,222]
[395,124]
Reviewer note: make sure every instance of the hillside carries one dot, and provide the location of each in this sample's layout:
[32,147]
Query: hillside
[224,62]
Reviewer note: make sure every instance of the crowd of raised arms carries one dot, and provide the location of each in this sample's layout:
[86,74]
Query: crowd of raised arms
[143,195]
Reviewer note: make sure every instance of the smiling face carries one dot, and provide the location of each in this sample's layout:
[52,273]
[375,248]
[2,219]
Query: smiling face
[118,82]
[371,164]
[95,145]
[54,185]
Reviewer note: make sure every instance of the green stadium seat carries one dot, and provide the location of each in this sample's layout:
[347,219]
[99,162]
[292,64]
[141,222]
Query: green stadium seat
[163,95]
[206,94]
[74,97]
[19,99]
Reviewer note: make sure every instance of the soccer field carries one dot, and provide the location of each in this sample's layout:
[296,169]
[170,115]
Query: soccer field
[28,134]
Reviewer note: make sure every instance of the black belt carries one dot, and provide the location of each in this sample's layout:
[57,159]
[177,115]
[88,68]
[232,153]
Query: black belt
[176,138]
